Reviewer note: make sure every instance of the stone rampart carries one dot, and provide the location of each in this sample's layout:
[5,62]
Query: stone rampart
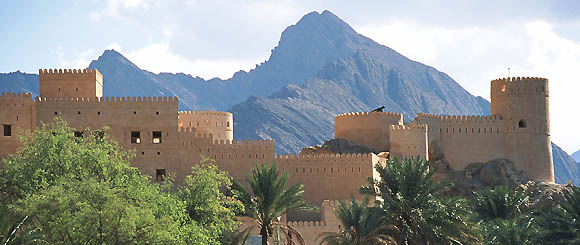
[366,128]
[218,123]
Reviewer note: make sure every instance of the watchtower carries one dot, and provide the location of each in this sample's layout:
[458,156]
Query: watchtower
[70,83]
[523,104]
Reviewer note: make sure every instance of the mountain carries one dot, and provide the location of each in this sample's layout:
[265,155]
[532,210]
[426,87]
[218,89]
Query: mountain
[565,168]
[18,82]
[370,75]
[321,67]
[576,156]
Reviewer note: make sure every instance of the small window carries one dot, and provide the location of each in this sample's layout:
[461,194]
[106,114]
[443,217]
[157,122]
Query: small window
[135,137]
[7,130]
[157,113]
[55,113]
[98,113]
[522,124]
[79,134]
[134,112]
[157,137]
[78,112]
[77,89]
[503,88]
[142,153]
[158,153]
[159,175]
[228,124]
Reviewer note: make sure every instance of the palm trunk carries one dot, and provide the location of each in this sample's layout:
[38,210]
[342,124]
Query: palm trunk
[264,234]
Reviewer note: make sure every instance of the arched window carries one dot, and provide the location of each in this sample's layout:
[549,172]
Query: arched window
[522,124]
[503,88]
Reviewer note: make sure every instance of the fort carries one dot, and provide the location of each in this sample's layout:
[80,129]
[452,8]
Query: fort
[166,140]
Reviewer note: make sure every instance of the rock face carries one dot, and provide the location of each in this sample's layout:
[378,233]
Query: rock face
[565,168]
[576,156]
[335,146]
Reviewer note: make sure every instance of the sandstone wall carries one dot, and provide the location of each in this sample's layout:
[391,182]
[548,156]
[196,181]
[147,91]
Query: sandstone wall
[524,105]
[219,124]
[329,176]
[370,129]
[70,83]
[409,141]
[17,111]
[123,116]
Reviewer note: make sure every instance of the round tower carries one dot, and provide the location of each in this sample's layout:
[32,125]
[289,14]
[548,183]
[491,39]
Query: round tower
[218,123]
[523,104]
[370,129]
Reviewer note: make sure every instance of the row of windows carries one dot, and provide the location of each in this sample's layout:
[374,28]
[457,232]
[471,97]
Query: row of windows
[236,155]
[311,170]
[99,113]
[208,122]
[143,153]
[155,139]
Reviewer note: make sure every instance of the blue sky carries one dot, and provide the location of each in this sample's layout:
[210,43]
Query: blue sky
[472,41]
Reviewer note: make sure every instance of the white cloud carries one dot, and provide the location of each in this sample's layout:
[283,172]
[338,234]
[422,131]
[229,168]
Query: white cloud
[158,58]
[78,60]
[475,55]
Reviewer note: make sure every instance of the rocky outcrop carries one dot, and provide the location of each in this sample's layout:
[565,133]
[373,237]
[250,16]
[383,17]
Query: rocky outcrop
[335,146]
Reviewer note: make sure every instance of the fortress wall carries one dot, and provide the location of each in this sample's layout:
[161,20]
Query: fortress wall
[328,176]
[370,129]
[328,223]
[218,123]
[123,116]
[409,141]
[70,83]
[433,122]
[18,111]
[468,139]
[235,157]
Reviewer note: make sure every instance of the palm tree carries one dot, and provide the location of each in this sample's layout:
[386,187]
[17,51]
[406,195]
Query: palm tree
[267,200]
[500,202]
[361,225]
[516,231]
[562,224]
[410,202]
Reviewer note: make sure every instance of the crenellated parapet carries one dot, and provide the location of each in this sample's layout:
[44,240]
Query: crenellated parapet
[368,129]
[204,113]
[218,123]
[519,85]
[371,114]
[16,99]
[138,99]
[68,73]
[296,224]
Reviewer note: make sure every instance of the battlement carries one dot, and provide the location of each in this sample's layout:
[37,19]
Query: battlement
[67,73]
[412,127]
[366,114]
[307,223]
[16,95]
[337,156]
[204,113]
[521,79]
[422,116]
[137,99]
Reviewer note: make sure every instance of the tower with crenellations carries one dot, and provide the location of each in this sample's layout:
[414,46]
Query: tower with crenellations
[523,103]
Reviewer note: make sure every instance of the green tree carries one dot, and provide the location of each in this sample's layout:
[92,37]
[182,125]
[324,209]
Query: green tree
[561,225]
[205,201]
[53,152]
[499,202]
[361,224]
[84,190]
[267,199]
[409,200]
[520,230]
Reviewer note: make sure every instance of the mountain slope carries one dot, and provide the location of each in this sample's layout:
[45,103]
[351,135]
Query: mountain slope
[565,168]
[576,156]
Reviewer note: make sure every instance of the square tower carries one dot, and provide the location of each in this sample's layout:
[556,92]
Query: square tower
[70,83]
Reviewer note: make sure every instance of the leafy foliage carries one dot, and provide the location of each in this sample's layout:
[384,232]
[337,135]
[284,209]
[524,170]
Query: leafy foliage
[361,224]
[562,225]
[204,201]
[410,202]
[500,202]
[267,199]
[83,190]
